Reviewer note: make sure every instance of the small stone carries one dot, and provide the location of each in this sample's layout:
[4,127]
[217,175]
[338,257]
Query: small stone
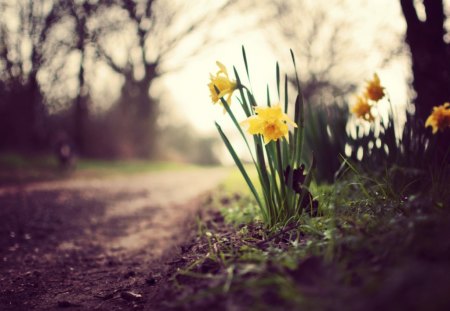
[129,274]
[150,281]
[130,296]
[66,304]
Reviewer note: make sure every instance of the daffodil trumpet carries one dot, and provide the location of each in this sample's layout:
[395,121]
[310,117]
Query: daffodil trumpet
[221,85]
[362,109]
[374,91]
[372,94]
[270,122]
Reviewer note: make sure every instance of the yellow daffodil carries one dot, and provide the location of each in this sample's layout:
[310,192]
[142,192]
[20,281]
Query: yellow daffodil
[224,85]
[374,90]
[270,122]
[439,119]
[361,109]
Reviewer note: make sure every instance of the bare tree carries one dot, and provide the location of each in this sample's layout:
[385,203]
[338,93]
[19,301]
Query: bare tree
[331,53]
[82,12]
[137,39]
[157,28]
[24,27]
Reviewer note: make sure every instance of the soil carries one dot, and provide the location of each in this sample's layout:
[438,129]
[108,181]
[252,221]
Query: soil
[96,244]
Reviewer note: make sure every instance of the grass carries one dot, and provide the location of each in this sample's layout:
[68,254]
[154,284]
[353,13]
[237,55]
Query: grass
[370,247]
[99,167]
[16,168]
[235,183]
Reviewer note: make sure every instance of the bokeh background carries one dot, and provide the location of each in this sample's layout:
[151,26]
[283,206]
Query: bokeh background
[126,79]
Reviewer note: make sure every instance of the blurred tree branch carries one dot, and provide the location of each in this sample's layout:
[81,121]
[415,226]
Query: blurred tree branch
[330,55]
[50,50]
[158,29]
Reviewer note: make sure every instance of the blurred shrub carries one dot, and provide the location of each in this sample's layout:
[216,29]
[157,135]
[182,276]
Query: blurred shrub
[407,152]
[183,143]
[326,137]
[381,147]
[114,135]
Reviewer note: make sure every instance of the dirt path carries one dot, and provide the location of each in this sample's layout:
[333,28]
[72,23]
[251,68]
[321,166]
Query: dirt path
[93,244]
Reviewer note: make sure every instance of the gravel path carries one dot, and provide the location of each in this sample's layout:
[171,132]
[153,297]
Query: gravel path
[95,244]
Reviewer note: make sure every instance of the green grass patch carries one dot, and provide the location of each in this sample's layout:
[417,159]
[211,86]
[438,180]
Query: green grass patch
[234,199]
[16,168]
[371,246]
[235,183]
[98,167]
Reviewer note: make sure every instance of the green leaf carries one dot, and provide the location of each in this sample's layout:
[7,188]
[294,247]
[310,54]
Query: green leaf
[286,97]
[241,168]
[251,99]
[298,118]
[245,62]
[268,96]
[306,183]
[296,74]
[278,80]
[264,176]
[233,118]
[272,161]
[285,152]
[280,169]
[245,105]
[298,133]
[299,110]
[262,167]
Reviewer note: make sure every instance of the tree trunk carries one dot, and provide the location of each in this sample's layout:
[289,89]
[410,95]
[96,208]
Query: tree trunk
[430,56]
[138,115]
[81,110]
[22,117]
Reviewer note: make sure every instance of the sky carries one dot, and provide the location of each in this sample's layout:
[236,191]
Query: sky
[194,105]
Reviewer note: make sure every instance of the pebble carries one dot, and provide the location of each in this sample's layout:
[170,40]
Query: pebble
[66,304]
[130,296]
[129,274]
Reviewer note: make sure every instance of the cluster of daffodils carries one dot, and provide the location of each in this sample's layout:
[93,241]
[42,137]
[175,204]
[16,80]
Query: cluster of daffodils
[270,122]
[373,93]
[277,148]
[439,119]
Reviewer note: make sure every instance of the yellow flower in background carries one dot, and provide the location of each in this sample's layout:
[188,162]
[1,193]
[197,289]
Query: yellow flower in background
[439,119]
[374,90]
[270,122]
[222,82]
[361,109]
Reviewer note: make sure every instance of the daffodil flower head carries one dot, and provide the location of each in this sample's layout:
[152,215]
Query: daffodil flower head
[221,85]
[374,90]
[270,122]
[361,109]
[439,118]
